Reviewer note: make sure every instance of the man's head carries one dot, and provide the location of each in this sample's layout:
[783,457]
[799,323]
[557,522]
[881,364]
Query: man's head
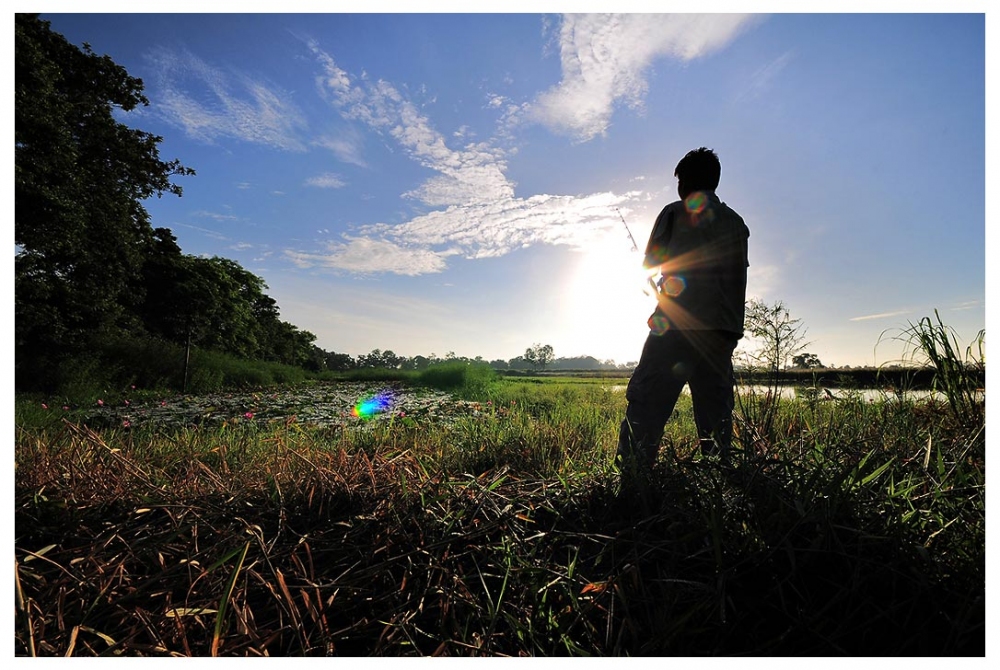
[699,170]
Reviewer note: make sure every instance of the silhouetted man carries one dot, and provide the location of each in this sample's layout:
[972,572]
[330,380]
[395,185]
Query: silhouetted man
[699,247]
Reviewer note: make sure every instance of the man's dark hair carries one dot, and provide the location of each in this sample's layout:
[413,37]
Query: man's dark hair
[699,170]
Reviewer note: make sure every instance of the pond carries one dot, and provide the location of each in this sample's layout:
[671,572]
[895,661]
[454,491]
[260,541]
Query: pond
[339,403]
[361,404]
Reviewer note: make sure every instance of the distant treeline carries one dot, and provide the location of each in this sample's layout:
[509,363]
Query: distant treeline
[389,359]
[896,377]
[901,378]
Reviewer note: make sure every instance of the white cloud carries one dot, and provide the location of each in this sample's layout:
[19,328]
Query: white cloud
[366,255]
[347,147]
[465,176]
[761,80]
[206,231]
[883,315]
[217,217]
[494,229]
[605,58]
[236,106]
[477,214]
[328,180]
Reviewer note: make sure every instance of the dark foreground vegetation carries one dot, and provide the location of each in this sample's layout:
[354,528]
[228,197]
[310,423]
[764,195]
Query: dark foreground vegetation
[842,527]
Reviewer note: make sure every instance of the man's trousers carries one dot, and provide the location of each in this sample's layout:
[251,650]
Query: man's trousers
[702,359]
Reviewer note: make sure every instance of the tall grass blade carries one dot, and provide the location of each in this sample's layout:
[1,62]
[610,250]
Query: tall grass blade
[224,601]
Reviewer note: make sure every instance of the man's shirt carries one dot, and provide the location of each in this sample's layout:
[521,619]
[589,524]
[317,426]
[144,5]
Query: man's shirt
[700,247]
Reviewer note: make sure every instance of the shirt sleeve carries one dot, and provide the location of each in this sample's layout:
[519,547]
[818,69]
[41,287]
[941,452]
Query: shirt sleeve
[659,238]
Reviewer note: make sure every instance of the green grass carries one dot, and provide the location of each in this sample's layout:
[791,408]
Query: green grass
[841,528]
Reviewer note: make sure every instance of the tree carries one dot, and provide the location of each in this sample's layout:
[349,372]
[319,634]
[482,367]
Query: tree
[416,363]
[519,363]
[780,336]
[539,355]
[391,360]
[80,230]
[339,362]
[381,359]
[806,361]
[216,304]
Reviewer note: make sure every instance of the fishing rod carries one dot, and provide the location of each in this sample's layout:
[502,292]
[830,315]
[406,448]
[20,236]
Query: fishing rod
[635,247]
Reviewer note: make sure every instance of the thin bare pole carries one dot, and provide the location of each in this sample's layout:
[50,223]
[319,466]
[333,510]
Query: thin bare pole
[635,247]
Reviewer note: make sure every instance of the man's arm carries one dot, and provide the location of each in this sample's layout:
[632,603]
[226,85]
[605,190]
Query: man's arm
[659,238]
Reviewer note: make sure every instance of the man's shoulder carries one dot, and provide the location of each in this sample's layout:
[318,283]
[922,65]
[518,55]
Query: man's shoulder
[726,205]
[729,212]
[675,206]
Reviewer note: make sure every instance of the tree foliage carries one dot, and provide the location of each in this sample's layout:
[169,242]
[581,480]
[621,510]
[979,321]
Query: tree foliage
[89,266]
[806,361]
[539,355]
[780,337]
[80,230]
[79,173]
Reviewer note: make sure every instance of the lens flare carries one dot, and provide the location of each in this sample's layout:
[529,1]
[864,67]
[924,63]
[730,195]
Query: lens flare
[697,206]
[368,407]
[673,285]
[658,323]
[657,256]
[696,202]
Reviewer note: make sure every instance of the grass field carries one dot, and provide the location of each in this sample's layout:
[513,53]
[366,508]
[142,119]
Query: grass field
[494,525]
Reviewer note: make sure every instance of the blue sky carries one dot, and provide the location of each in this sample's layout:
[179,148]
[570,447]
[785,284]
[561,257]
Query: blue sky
[435,183]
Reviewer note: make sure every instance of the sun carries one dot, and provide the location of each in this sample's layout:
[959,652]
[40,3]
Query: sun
[608,300]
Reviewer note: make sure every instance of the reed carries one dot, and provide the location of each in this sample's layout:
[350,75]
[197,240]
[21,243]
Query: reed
[960,378]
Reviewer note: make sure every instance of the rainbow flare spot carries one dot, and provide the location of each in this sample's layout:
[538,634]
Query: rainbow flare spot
[697,206]
[658,323]
[657,256]
[372,405]
[673,285]
[696,202]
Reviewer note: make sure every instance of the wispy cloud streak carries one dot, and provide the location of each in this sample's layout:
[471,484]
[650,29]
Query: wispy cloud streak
[235,105]
[605,58]
[883,315]
[477,214]
[474,211]
[363,255]
[762,79]
[328,180]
